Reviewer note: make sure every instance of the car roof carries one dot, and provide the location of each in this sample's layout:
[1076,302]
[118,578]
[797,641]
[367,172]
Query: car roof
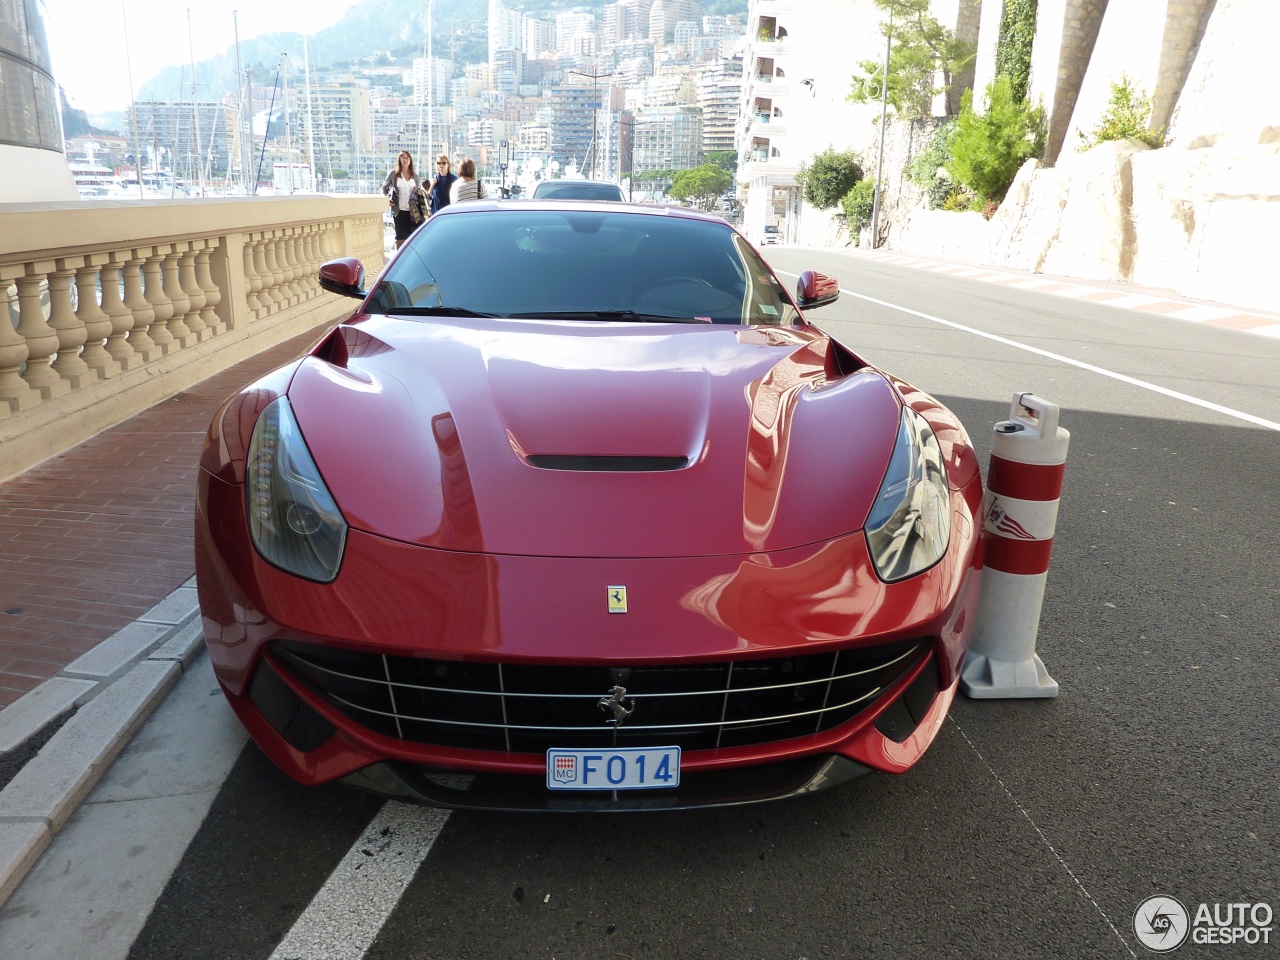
[578,206]
[598,187]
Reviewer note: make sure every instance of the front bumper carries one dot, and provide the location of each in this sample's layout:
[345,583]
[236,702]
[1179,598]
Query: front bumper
[407,601]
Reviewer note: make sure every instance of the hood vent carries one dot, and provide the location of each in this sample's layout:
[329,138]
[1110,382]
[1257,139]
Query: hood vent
[607,464]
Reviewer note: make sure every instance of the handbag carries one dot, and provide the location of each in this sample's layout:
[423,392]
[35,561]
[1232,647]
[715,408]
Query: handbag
[417,205]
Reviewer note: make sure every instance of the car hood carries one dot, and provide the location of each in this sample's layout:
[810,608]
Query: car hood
[594,439]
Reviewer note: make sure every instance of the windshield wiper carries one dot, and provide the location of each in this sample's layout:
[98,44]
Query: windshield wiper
[438,312]
[607,315]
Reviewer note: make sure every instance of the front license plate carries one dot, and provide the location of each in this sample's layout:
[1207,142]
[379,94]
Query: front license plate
[623,768]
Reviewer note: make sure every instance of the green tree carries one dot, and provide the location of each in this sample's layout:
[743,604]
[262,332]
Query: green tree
[829,176]
[858,205]
[920,47]
[725,159]
[1127,117]
[989,147]
[701,184]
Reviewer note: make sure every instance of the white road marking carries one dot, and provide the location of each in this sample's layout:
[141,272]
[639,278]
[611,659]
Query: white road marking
[1040,833]
[354,903]
[1101,371]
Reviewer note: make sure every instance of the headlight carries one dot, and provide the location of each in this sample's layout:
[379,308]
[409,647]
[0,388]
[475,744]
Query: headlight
[910,521]
[293,520]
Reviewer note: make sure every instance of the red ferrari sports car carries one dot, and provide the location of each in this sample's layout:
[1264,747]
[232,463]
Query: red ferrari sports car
[579,505]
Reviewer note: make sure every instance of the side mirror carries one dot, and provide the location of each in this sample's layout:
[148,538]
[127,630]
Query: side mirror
[344,277]
[816,290]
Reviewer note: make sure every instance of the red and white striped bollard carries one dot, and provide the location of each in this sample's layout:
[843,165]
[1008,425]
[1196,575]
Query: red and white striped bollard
[1020,511]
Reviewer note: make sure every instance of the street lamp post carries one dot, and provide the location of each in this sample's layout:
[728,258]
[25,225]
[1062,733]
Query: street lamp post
[595,106]
[878,190]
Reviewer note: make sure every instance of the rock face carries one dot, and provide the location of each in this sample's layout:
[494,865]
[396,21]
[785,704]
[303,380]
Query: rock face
[1199,221]
[1199,216]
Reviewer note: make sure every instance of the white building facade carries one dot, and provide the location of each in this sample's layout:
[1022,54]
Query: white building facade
[797,67]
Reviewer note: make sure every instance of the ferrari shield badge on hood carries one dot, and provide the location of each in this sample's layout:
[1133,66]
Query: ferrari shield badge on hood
[617,599]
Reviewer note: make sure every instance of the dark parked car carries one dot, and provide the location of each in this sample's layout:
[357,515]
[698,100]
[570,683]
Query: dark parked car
[580,504]
[577,190]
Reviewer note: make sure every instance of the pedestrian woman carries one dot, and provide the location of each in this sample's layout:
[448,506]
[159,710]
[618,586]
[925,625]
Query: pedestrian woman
[467,187]
[441,183]
[400,186]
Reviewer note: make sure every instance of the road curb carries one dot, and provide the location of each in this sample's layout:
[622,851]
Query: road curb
[115,687]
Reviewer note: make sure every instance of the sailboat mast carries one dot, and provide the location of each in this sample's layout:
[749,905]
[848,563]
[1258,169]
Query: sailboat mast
[431,70]
[311,139]
[288,134]
[245,142]
[137,147]
[195,107]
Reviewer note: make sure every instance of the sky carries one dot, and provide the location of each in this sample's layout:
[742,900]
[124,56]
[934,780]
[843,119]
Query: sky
[87,38]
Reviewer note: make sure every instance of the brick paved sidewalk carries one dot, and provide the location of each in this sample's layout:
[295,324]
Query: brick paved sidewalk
[92,539]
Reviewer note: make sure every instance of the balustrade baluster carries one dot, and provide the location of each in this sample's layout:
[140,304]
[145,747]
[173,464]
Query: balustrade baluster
[143,310]
[278,295]
[313,259]
[212,295]
[158,329]
[267,296]
[296,266]
[187,277]
[97,325]
[42,339]
[290,288]
[118,345]
[15,393]
[252,276]
[70,329]
[177,324]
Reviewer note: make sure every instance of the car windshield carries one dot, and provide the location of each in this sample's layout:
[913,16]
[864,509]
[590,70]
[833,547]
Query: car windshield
[582,265]
[576,190]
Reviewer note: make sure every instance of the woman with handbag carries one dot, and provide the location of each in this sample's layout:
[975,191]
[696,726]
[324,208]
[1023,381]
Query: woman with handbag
[405,192]
[467,187]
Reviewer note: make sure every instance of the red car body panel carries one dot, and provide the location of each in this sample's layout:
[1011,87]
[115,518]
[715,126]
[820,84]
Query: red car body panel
[495,392]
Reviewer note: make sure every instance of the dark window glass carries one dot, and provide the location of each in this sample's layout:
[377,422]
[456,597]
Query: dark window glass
[576,190]
[516,262]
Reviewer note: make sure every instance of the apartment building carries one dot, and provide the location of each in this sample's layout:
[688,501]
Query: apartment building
[797,65]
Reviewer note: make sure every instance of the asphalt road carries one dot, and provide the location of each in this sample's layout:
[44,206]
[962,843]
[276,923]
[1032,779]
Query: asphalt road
[1031,829]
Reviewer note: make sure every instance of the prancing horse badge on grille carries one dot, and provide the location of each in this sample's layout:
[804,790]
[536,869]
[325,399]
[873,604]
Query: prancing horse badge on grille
[618,705]
[617,599]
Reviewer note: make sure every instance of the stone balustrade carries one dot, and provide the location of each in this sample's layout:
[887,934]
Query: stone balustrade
[116,305]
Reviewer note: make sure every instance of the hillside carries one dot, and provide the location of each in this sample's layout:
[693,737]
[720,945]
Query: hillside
[369,31]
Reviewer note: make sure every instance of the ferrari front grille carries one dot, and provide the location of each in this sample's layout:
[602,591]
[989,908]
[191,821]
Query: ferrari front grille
[524,708]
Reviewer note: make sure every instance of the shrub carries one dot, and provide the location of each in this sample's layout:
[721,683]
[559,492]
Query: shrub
[939,190]
[1127,117]
[959,200]
[989,147]
[826,179]
[858,205]
[922,169]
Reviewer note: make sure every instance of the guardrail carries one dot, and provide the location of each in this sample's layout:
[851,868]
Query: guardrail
[116,305]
